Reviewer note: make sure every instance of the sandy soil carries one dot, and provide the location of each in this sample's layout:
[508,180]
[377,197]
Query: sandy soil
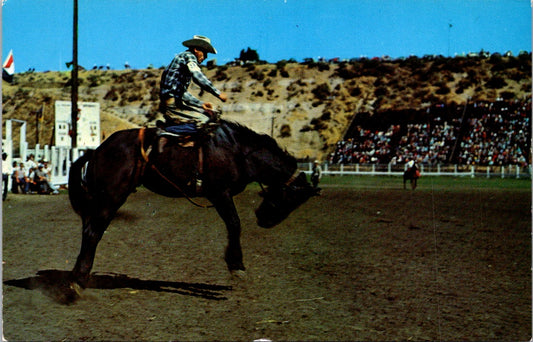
[353,264]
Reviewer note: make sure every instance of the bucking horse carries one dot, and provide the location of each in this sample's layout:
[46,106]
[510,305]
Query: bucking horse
[412,174]
[218,167]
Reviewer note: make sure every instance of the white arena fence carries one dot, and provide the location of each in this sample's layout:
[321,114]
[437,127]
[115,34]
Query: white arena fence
[508,171]
[61,158]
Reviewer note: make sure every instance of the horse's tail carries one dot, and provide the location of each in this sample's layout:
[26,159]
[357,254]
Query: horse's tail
[77,185]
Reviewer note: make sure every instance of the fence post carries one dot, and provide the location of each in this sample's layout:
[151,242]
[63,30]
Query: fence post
[46,152]
[472,171]
[517,171]
[488,171]
[23,144]
[37,153]
[503,171]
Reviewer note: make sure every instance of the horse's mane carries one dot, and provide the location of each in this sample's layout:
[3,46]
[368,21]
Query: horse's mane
[237,133]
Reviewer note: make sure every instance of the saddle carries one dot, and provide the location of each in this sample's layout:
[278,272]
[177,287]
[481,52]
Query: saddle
[202,131]
[194,184]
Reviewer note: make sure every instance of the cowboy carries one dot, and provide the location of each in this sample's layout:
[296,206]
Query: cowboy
[409,163]
[316,174]
[176,103]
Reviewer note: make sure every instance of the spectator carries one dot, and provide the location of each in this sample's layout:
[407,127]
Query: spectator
[14,178]
[494,133]
[21,179]
[42,181]
[316,175]
[47,168]
[30,162]
[7,170]
[30,180]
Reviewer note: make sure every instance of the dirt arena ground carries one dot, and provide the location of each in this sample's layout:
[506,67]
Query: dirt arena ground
[353,264]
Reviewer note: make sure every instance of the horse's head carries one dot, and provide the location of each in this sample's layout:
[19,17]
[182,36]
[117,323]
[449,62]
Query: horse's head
[280,200]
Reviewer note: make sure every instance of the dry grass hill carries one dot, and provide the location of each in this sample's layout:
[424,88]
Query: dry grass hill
[306,107]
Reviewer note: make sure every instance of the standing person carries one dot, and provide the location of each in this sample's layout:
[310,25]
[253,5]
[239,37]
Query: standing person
[6,172]
[316,175]
[15,178]
[176,103]
[409,163]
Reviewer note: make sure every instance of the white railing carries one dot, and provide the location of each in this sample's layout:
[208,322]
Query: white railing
[60,159]
[509,171]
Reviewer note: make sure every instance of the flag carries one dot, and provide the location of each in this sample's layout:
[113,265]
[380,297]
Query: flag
[8,68]
[39,114]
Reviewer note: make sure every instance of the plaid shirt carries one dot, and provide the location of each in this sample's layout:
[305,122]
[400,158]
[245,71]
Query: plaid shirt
[177,77]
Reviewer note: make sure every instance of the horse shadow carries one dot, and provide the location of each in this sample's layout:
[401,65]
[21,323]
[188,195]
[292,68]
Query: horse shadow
[56,285]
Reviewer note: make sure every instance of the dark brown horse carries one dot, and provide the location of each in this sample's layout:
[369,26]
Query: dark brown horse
[412,174]
[225,161]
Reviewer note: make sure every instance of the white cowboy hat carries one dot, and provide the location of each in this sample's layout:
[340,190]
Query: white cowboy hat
[200,42]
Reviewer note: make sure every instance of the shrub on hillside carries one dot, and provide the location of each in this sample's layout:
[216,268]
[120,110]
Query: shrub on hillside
[496,82]
[346,72]
[321,91]
[111,95]
[381,91]
[237,89]
[285,131]
[321,123]
[220,75]
[257,75]
[281,64]
[154,94]
[507,95]
[93,80]
[443,88]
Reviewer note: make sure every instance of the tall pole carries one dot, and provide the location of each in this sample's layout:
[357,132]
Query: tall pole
[74,86]
[449,29]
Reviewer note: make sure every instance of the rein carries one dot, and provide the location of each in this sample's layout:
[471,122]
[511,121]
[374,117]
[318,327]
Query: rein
[288,182]
[145,154]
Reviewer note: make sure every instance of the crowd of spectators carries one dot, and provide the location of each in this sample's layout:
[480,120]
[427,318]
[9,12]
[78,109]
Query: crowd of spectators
[483,133]
[30,177]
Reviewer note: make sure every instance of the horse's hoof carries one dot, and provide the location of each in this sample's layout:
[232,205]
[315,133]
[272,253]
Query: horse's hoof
[72,293]
[238,274]
[76,288]
[67,294]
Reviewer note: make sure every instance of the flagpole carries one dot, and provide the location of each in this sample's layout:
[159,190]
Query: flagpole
[74,86]
[37,128]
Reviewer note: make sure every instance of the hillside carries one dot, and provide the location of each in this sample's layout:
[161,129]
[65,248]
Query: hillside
[307,107]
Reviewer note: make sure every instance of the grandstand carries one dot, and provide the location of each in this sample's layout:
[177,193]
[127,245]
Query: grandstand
[480,133]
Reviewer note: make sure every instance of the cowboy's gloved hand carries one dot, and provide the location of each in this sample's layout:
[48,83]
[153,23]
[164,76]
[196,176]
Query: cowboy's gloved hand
[208,108]
[223,97]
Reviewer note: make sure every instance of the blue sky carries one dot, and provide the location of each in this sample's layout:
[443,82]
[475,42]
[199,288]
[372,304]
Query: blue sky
[145,32]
